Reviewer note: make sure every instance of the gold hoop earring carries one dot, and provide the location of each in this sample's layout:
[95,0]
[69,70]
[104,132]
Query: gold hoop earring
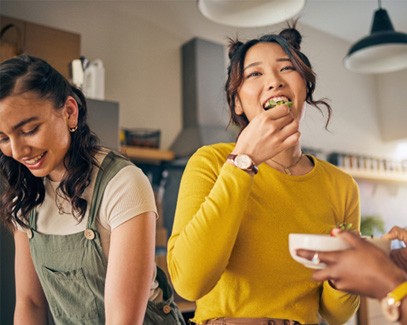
[72,130]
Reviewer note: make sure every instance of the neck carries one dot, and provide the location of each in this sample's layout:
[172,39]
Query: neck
[287,158]
[287,165]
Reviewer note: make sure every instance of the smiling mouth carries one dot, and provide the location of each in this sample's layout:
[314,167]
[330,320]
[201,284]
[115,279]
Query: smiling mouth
[276,101]
[34,160]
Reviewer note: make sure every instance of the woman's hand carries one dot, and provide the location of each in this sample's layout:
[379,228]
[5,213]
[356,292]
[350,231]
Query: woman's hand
[269,133]
[396,233]
[362,269]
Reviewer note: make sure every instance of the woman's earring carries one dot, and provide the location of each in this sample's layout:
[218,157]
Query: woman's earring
[72,130]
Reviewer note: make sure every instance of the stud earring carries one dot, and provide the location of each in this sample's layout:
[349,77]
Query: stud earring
[72,130]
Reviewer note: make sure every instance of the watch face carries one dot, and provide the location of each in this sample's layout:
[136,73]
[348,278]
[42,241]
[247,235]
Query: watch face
[243,161]
[391,311]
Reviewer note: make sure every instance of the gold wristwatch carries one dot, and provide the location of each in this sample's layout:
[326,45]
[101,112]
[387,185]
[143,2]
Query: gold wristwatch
[244,162]
[391,303]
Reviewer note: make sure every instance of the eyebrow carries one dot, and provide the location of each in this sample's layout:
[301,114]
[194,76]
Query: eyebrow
[258,63]
[23,122]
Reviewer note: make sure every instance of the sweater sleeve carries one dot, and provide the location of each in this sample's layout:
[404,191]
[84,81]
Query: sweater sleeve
[210,205]
[337,306]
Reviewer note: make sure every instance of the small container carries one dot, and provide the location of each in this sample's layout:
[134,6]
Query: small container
[142,137]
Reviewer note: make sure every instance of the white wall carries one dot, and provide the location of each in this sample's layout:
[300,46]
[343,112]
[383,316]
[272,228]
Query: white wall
[142,62]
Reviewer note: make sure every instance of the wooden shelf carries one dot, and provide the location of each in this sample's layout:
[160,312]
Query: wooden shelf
[378,176]
[141,153]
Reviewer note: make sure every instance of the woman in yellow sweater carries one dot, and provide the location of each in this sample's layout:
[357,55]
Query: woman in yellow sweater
[238,202]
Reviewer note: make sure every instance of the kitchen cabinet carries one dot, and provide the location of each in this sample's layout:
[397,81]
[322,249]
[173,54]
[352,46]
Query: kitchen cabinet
[57,47]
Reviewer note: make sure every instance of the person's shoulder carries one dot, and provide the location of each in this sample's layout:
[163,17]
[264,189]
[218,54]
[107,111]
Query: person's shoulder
[211,156]
[101,154]
[219,150]
[130,178]
[129,169]
[332,169]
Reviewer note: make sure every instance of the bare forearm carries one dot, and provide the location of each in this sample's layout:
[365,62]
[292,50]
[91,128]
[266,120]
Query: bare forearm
[130,271]
[28,313]
[127,314]
[31,304]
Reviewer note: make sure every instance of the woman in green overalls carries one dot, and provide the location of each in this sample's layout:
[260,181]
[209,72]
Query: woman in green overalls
[83,216]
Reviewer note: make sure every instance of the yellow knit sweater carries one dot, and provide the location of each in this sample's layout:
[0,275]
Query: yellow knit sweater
[229,246]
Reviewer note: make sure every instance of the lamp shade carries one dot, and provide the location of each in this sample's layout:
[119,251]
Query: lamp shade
[384,50]
[250,13]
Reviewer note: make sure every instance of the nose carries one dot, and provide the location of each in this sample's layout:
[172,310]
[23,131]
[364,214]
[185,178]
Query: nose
[274,81]
[18,148]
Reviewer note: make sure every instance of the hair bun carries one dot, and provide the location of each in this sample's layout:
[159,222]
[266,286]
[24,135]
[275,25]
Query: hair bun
[292,36]
[234,45]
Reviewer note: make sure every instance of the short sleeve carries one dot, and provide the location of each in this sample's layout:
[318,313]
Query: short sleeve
[127,195]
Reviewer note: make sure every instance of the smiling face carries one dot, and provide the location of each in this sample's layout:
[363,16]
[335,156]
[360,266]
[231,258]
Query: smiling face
[35,134]
[269,74]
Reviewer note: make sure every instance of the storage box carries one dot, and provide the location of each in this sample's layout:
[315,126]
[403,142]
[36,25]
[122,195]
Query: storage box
[142,137]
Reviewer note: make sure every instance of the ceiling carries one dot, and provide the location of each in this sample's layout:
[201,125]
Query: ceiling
[347,19]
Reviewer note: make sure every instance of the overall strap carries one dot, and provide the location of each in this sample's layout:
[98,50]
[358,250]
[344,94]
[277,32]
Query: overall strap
[111,165]
[32,219]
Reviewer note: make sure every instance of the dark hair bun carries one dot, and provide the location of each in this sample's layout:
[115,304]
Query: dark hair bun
[234,45]
[292,36]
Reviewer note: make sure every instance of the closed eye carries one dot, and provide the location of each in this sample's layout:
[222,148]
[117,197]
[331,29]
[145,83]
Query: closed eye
[30,132]
[3,140]
[288,68]
[253,74]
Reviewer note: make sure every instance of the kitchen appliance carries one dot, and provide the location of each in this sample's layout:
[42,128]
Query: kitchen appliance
[204,112]
[103,120]
[94,80]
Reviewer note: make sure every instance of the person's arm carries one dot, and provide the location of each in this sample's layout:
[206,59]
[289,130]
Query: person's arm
[130,270]
[354,270]
[337,306]
[403,312]
[210,208]
[31,305]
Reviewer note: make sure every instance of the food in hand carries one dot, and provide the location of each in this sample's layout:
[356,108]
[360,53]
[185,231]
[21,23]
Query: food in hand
[271,103]
[340,226]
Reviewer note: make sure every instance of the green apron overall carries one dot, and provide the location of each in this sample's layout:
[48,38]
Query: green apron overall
[72,268]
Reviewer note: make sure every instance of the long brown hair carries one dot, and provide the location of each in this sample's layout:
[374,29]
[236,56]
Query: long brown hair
[22,190]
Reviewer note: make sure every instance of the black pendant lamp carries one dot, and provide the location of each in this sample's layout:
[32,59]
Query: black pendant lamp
[384,50]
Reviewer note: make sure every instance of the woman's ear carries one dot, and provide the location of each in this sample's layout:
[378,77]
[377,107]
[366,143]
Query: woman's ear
[238,106]
[71,112]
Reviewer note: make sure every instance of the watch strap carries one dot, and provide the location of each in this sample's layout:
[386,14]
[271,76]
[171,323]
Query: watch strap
[252,169]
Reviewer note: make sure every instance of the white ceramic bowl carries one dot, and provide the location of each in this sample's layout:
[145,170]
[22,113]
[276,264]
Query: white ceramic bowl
[326,243]
[314,242]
